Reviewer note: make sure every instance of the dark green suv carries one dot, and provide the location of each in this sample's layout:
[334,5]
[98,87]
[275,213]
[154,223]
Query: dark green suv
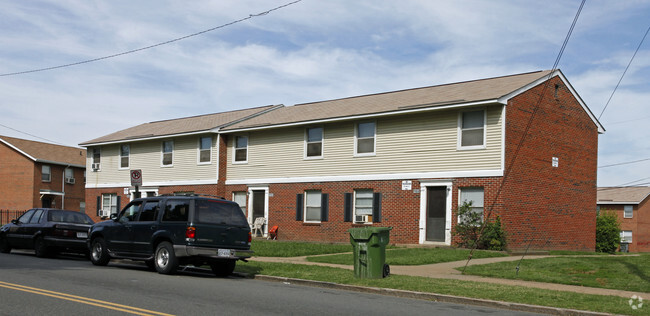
[169,231]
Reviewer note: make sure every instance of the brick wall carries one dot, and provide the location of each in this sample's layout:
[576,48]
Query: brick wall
[639,224]
[17,185]
[547,207]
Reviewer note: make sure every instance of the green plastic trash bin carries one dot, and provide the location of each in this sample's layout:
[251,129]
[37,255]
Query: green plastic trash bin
[369,245]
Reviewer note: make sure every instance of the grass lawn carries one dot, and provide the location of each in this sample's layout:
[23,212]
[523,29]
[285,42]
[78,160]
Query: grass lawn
[517,294]
[414,256]
[628,273]
[274,248]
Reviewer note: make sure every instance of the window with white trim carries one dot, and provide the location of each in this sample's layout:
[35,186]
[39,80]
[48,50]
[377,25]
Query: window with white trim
[476,197]
[125,152]
[472,129]
[167,152]
[314,142]
[313,205]
[46,173]
[97,155]
[109,204]
[241,149]
[69,175]
[628,211]
[365,138]
[241,198]
[363,204]
[205,149]
[626,236]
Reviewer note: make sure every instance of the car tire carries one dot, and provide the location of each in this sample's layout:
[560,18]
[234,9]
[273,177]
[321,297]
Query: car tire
[223,268]
[4,245]
[40,249]
[165,260]
[98,252]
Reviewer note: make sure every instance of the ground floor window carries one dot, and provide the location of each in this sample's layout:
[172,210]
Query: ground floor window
[241,198]
[109,204]
[626,236]
[312,206]
[363,203]
[475,196]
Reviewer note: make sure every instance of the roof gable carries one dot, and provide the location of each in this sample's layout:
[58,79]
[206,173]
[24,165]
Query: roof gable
[47,153]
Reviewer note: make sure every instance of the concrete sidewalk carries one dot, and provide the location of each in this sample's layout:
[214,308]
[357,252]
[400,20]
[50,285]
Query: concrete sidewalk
[448,270]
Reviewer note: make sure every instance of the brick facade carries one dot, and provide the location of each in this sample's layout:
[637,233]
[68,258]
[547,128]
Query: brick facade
[639,224]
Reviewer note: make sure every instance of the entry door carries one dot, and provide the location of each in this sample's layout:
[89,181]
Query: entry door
[258,206]
[436,212]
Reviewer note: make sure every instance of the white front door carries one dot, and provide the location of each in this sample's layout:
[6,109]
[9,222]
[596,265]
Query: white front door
[258,205]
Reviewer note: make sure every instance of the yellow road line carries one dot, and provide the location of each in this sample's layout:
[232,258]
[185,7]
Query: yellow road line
[81,299]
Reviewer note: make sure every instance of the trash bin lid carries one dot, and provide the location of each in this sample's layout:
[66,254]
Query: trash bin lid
[366,232]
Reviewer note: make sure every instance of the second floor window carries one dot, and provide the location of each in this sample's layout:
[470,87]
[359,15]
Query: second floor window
[125,151]
[46,173]
[241,148]
[205,149]
[628,211]
[472,129]
[167,153]
[314,144]
[365,138]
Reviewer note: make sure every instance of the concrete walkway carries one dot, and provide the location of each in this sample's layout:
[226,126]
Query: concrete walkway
[447,271]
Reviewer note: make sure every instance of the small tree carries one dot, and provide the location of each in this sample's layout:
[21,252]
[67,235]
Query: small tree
[608,230]
[469,229]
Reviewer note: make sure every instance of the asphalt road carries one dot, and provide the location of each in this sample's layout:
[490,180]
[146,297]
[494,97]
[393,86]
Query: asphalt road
[71,285]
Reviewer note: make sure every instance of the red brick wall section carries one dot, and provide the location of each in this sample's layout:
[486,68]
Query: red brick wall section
[74,193]
[16,175]
[639,224]
[547,207]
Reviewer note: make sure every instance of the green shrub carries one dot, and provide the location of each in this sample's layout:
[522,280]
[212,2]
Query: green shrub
[608,230]
[469,229]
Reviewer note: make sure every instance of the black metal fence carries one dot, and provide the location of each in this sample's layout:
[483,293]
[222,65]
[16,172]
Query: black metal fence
[7,215]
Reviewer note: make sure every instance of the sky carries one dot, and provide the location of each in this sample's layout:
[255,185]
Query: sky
[311,50]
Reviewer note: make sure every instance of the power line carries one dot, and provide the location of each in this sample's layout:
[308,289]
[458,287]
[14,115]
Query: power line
[32,135]
[150,46]
[624,163]
[526,130]
[623,75]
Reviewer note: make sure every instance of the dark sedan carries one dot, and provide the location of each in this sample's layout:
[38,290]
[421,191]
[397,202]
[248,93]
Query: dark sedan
[47,231]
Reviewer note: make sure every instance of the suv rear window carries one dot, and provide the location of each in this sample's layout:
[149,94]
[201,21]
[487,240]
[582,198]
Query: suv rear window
[176,211]
[215,212]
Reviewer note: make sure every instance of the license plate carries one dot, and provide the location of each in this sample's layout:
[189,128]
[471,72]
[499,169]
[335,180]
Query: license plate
[82,235]
[223,252]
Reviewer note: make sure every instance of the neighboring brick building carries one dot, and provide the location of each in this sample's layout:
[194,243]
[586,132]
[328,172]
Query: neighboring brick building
[404,159]
[632,205]
[36,174]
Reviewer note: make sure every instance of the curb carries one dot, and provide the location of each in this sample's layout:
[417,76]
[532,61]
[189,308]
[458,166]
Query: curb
[432,297]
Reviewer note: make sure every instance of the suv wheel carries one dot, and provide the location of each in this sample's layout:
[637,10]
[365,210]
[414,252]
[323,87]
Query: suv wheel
[98,253]
[223,268]
[165,259]
[4,245]
[40,249]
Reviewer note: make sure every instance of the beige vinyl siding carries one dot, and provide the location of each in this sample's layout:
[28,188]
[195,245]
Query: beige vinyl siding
[147,155]
[423,142]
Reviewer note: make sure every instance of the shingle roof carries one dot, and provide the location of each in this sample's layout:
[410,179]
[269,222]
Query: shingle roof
[179,126]
[46,152]
[426,97]
[622,195]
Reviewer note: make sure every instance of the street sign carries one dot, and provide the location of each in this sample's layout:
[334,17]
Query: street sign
[136,177]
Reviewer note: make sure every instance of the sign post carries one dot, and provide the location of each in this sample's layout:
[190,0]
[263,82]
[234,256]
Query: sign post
[136,181]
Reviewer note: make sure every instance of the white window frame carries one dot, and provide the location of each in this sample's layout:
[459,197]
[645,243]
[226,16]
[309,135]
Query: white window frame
[357,138]
[69,174]
[624,235]
[235,149]
[48,173]
[243,207]
[162,154]
[97,155]
[460,130]
[356,207]
[476,206]
[307,142]
[319,206]
[628,211]
[111,208]
[200,150]
[128,158]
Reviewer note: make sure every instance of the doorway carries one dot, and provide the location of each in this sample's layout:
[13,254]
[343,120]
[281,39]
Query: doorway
[259,206]
[436,213]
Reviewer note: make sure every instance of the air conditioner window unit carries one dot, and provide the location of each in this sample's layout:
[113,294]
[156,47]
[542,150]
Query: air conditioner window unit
[69,180]
[95,166]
